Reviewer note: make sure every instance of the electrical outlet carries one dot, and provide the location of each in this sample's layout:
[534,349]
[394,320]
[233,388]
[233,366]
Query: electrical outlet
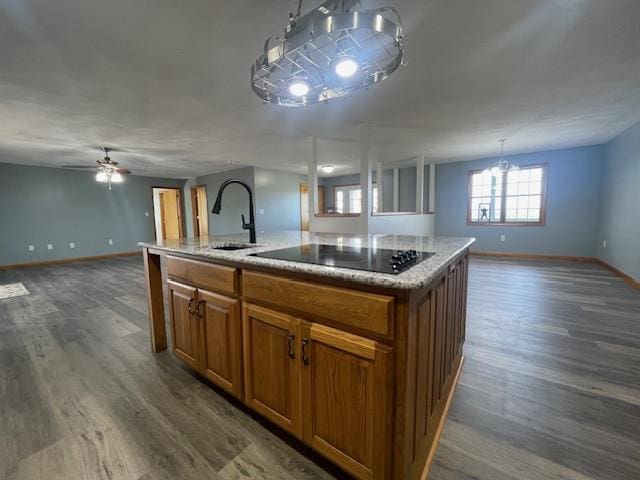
[31,248]
[503,238]
[49,246]
[110,242]
[72,245]
[604,244]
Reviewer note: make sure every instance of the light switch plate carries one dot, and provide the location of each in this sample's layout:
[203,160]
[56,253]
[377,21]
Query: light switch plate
[146,214]
[72,245]
[503,238]
[262,211]
[110,241]
[31,248]
[49,246]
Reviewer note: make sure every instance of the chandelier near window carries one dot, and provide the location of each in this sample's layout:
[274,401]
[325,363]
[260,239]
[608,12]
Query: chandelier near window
[329,52]
[502,166]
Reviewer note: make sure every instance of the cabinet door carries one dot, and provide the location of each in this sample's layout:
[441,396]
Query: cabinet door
[184,323]
[220,341]
[347,399]
[272,371]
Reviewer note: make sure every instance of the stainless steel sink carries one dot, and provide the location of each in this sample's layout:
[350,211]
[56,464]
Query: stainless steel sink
[232,246]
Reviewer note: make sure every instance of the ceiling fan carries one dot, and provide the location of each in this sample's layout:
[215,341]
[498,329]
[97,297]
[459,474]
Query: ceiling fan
[108,171]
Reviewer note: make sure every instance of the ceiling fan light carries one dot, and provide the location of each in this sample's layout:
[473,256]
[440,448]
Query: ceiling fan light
[299,88]
[346,67]
[327,168]
[116,177]
[101,177]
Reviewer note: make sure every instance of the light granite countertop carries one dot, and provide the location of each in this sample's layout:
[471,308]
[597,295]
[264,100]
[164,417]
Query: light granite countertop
[418,276]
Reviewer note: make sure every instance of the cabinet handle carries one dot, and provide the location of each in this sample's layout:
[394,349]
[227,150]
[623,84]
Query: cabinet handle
[292,353]
[191,312]
[305,356]
[200,311]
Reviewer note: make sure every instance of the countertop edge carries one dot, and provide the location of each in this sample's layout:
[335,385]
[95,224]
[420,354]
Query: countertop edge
[322,272]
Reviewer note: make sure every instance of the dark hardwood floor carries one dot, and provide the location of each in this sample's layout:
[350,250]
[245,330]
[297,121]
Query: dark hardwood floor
[550,387]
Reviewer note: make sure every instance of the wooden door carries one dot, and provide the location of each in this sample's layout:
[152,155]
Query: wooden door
[304,207]
[200,211]
[184,323]
[271,366]
[347,396]
[321,208]
[170,215]
[220,341]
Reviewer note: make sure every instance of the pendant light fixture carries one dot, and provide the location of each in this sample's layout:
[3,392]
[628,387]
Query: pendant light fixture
[502,166]
[331,51]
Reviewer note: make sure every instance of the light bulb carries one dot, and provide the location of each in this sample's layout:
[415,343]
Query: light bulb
[299,88]
[116,177]
[346,67]
[101,177]
[327,168]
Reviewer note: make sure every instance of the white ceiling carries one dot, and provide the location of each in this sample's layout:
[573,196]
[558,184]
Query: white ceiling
[168,81]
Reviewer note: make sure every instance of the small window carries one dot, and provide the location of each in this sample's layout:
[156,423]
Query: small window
[514,198]
[348,199]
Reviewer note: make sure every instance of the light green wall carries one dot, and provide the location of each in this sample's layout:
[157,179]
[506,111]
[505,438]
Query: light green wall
[276,194]
[51,205]
[620,210]
[573,205]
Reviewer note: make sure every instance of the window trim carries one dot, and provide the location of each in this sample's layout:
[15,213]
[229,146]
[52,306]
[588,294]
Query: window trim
[503,201]
[335,187]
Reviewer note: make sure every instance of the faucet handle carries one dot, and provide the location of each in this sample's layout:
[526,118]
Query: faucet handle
[246,225]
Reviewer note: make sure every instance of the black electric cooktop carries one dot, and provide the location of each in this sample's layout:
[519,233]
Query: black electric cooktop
[381,260]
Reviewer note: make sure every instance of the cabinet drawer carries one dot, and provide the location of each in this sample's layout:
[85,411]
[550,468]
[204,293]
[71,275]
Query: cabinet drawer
[202,274]
[365,311]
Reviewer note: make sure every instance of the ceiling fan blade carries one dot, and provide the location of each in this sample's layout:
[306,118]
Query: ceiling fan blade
[80,167]
[111,149]
[123,171]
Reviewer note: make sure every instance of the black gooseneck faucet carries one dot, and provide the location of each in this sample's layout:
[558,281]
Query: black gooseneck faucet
[251,226]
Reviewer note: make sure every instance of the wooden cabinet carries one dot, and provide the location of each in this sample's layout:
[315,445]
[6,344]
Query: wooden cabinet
[363,378]
[271,366]
[328,387]
[184,323]
[206,333]
[347,399]
[220,341]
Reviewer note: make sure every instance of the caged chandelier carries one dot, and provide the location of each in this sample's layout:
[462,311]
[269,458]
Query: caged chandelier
[329,52]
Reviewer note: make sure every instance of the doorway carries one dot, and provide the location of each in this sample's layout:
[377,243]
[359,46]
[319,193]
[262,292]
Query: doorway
[304,205]
[200,211]
[167,213]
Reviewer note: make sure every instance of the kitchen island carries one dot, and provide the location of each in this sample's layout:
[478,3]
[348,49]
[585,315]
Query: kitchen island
[359,365]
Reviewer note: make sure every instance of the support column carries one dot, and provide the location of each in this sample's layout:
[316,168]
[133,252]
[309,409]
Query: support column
[365,172]
[396,189]
[420,184]
[312,180]
[432,188]
[379,180]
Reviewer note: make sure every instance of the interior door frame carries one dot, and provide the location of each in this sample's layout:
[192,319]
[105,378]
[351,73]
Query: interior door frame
[194,208]
[181,229]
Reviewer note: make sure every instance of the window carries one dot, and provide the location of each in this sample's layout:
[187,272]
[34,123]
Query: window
[339,201]
[514,198]
[348,199]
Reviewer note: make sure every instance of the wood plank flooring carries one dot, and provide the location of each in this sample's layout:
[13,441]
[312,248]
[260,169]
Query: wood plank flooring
[550,388]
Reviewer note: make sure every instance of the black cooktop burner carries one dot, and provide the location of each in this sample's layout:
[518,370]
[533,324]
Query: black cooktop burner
[382,260]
